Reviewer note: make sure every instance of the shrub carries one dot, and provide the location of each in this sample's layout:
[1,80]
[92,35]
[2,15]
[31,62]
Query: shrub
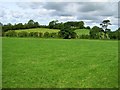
[10,33]
[31,34]
[40,35]
[67,32]
[46,35]
[53,35]
[35,34]
[103,35]
[23,34]
[84,36]
[3,34]
[73,35]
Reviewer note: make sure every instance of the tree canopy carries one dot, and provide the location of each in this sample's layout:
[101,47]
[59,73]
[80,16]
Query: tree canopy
[105,24]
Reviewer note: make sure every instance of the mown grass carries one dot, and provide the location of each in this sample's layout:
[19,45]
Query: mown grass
[51,63]
[82,31]
[43,30]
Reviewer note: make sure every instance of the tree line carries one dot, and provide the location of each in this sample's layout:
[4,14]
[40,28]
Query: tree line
[52,25]
[67,30]
[104,32]
[30,24]
[12,33]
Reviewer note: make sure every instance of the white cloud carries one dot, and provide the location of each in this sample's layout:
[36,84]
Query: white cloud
[44,12]
[59,1]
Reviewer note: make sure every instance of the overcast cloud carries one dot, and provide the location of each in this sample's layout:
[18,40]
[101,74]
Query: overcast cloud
[92,13]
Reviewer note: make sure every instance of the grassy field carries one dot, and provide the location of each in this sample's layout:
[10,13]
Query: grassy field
[50,63]
[82,31]
[43,30]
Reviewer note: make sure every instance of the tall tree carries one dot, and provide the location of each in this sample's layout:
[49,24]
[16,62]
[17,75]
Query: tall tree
[36,24]
[105,24]
[67,32]
[94,32]
[52,24]
[75,24]
[81,24]
[30,23]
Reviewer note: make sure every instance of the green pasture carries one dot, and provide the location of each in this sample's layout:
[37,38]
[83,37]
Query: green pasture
[43,30]
[59,63]
[82,31]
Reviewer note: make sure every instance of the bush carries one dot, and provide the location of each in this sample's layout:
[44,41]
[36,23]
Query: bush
[95,32]
[46,35]
[67,32]
[84,36]
[40,35]
[23,34]
[53,35]
[114,35]
[35,34]
[10,33]
[31,34]
[3,34]
[73,35]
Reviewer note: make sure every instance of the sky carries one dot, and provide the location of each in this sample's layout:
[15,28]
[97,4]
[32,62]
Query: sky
[44,11]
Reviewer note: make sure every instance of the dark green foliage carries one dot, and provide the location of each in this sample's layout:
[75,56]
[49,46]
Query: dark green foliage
[7,27]
[18,26]
[52,24]
[118,33]
[88,27]
[98,33]
[43,26]
[40,34]
[33,34]
[23,34]
[36,24]
[67,33]
[84,36]
[105,24]
[55,25]
[114,35]
[3,34]
[10,33]
[1,30]
[66,30]
[59,26]
[108,30]
[30,24]
[53,35]
[36,34]
[81,24]
[75,24]
[94,32]
[73,34]
[46,35]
